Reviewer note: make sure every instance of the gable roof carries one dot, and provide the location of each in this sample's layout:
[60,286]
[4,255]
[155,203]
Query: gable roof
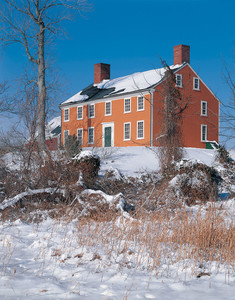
[53,127]
[120,86]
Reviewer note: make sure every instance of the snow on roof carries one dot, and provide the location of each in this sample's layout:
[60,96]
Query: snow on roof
[76,98]
[126,84]
[136,81]
[51,127]
[55,122]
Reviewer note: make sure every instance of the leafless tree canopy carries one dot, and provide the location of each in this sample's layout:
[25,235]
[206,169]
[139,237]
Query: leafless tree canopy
[227,109]
[170,139]
[34,24]
[4,105]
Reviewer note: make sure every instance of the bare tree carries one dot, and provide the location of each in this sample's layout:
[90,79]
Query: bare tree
[227,120]
[170,139]
[4,104]
[34,24]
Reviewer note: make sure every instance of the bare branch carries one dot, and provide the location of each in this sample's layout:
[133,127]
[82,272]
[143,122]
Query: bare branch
[33,24]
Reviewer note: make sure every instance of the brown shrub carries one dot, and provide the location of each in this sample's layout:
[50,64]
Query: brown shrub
[89,165]
[189,182]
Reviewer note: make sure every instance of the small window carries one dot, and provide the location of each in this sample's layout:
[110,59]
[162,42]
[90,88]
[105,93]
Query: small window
[140,129]
[80,136]
[91,110]
[66,114]
[178,80]
[91,135]
[66,134]
[196,83]
[108,109]
[80,113]
[140,103]
[203,108]
[127,131]
[127,105]
[203,133]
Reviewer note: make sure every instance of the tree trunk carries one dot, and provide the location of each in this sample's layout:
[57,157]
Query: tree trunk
[41,88]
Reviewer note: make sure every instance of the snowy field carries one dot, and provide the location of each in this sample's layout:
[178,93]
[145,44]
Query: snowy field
[132,161]
[45,261]
[56,259]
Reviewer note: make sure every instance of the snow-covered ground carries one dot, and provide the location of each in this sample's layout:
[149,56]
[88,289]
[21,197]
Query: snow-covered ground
[132,161]
[48,261]
[51,260]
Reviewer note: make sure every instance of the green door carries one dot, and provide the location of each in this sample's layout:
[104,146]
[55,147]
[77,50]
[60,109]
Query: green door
[107,136]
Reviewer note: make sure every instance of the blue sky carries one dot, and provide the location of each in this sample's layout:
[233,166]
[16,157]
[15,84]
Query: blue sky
[132,35]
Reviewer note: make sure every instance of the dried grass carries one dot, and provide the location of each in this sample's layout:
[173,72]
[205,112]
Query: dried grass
[192,240]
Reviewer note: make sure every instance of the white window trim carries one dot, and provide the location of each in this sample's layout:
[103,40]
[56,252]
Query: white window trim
[66,109]
[124,139]
[129,111]
[138,103]
[139,138]
[64,134]
[196,89]
[202,125]
[82,134]
[88,135]
[181,80]
[110,108]
[82,113]
[89,111]
[203,115]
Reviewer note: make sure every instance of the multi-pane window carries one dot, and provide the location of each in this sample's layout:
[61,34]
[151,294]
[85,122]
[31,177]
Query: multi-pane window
[127,105]
[91,135]
[140,129]
[91,110]
[178,80]
[80,136]
[127,131]
[108,108]
[66,134]
[140,103]
[204,133]
[196,83]
[203,108]
[80,113]
[66,114]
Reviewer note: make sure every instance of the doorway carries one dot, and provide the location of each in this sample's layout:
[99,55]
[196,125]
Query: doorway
[108,134]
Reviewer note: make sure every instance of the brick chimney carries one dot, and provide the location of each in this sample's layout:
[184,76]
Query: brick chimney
[181,54]
[101,72]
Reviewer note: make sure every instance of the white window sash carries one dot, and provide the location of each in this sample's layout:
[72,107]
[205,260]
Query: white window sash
[91,108]
[196,83]
[127,105]
[80,137]
[141,98]
[203,108]
[127,126]
[66,134]
[140,131]
[203,133]
[179,80]
[108,109]
[66,114]
[80,108]
[91,134]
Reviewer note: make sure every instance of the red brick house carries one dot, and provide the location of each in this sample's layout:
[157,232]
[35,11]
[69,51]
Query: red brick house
[125,111]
